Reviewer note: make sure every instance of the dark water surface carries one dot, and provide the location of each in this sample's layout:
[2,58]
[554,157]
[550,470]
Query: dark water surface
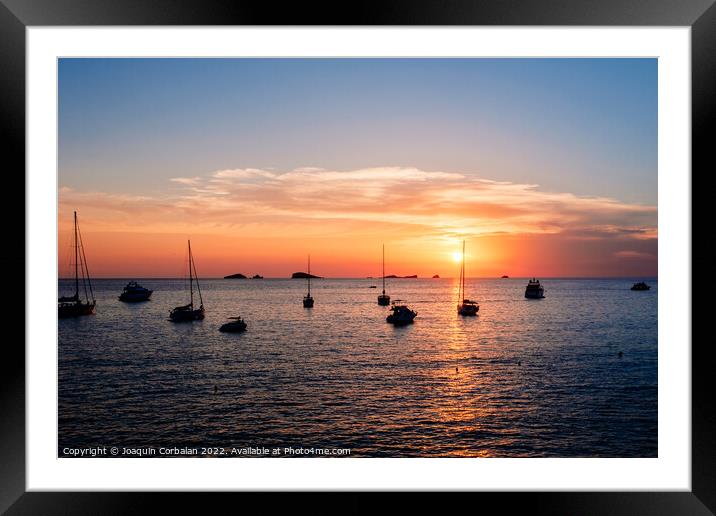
[534,378]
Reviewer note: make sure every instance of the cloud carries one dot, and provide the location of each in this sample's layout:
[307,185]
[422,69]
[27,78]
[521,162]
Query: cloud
[189,181]
[634,255]
[242,173]
[407,201]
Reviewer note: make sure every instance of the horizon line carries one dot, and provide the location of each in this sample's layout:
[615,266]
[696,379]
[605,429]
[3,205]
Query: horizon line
[362,277]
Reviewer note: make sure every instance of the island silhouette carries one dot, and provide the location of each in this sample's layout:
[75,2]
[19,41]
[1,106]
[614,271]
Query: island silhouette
[303,275]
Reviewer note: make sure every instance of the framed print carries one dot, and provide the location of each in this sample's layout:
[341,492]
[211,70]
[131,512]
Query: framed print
[429,251]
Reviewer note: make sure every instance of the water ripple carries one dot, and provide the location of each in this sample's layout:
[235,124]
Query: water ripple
[523,379]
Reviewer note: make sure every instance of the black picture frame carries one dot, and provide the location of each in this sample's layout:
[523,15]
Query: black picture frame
[16,15]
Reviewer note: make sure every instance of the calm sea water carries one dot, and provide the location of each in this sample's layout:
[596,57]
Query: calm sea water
[526,378]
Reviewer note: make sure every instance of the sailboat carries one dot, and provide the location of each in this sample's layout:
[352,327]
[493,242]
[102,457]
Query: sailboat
[307,299]
[71,306]
[465,306]
[383,299]
[187,312]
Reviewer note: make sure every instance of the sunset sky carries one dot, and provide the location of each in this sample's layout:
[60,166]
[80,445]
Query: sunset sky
[546,167]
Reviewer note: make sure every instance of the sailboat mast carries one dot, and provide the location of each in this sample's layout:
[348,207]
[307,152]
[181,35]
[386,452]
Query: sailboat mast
[196,278]
[77,279]
[191,283]
[309,275]
[463,270]
[85,269]
[383,269]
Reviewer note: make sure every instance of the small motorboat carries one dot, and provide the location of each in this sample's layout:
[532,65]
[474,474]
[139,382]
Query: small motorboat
[401,314]
[534,290]
[133,292]
[236,325]
[640,286]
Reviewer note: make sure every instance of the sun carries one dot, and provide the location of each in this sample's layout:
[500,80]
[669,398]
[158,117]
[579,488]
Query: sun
[456,257]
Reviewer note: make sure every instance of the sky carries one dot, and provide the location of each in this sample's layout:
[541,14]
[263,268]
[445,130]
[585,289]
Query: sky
[545,167]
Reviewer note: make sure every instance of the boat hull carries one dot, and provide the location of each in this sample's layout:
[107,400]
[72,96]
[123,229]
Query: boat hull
[400,321]
[468,310]
[384,300]
[401,317]
[186,315]
[307,302]
[534,295]
[233,327]
[135,297]
[66,310]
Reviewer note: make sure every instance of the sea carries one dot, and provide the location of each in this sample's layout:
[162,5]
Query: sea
[570,375]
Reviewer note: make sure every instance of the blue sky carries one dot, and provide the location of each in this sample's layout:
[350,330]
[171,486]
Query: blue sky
[584,126]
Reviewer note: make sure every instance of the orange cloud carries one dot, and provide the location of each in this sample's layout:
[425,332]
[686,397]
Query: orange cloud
[414,209]
[634,254]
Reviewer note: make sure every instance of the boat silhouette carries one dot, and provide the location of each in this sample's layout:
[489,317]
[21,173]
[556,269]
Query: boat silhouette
[640,286]
[236,325]
[72,306]
[401,314]
[187,313]
[383,299]
[534,290]
[465,306]
[133,293]
[307,299]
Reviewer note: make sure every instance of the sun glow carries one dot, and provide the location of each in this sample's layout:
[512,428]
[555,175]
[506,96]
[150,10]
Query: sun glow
[229,213]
